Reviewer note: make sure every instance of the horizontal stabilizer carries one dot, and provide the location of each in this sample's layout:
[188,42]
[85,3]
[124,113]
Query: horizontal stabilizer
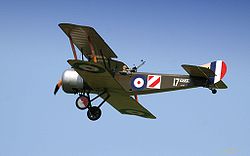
[220,85]
[198,71]
[213,71]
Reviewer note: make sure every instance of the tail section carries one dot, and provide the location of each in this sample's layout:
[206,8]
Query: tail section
[219,68]
[213,71]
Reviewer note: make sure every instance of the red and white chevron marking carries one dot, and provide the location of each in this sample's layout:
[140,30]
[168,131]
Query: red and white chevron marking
[154,81]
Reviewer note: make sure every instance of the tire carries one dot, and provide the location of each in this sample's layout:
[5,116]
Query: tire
[82,102]
[214,91]
[94,113]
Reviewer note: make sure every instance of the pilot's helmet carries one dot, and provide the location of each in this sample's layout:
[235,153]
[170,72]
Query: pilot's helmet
[124,67]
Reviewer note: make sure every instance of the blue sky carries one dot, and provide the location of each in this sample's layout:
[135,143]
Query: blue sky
[164,33]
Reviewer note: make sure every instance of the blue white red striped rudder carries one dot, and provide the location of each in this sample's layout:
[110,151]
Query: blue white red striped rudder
[219,67]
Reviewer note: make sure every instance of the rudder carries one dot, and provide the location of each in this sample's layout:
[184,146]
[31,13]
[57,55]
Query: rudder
[219,67]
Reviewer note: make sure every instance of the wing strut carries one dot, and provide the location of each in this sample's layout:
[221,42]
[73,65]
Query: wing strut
[92,50]
[103,59]
[136,97]
[73,47]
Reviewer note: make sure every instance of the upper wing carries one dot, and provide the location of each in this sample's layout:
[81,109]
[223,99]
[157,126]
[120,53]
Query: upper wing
[99,79]
[128,105]
[84,37]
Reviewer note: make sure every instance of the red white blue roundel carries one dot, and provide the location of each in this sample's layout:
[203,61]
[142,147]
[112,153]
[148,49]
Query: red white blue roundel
[138,82]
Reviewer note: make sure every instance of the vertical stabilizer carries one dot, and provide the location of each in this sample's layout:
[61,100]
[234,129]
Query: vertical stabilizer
[219,67]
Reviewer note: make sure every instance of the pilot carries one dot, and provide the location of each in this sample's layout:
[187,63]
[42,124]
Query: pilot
[125,70]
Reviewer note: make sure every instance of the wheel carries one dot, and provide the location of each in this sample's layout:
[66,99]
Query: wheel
[214,91]
[94,113]
[82,102]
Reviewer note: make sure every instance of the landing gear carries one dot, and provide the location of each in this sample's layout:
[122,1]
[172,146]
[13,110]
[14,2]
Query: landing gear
[82,102]
[214,91]
[94,112]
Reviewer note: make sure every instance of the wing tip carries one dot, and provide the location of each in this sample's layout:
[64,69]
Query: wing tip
[149,116]
[61,25]
[152,117]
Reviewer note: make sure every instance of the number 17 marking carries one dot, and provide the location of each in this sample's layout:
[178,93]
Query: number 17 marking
[176,82]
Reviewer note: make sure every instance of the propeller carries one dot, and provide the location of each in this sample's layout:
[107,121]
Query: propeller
[58,85]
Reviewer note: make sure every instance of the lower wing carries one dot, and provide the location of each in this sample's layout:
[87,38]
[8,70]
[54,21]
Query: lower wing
[128,105]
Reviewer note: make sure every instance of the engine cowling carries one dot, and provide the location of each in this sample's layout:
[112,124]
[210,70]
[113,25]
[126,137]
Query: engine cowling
[72,82]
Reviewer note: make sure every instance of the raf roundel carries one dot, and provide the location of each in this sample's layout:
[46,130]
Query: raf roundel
[138,82]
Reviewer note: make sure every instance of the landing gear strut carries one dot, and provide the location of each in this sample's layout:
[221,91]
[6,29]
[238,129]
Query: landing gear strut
[84,101]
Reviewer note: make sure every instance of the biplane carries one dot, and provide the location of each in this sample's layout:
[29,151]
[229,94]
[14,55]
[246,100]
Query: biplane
[99,72]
